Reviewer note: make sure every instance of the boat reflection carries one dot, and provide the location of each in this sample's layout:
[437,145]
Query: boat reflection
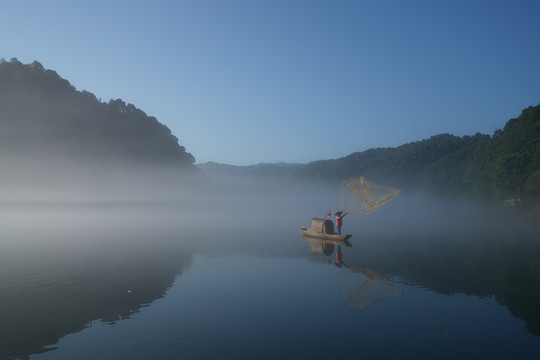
[324,246]
[360,288]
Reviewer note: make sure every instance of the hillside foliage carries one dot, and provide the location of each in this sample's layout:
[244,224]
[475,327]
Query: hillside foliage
[43,115]
[503,166]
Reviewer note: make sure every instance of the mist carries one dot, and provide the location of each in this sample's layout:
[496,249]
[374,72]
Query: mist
[232,203]
[65,179]
[81,250]
[244,203]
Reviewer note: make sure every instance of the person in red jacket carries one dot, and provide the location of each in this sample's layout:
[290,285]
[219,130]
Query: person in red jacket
[339,220]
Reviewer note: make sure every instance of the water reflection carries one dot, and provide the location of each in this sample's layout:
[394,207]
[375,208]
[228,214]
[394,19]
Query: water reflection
[323,246]
[62,271]
[252,282]
[359,287]
[504,265]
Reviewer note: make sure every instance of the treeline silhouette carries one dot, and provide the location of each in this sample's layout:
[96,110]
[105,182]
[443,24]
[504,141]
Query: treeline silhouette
[42,115]
[60,144]
[503,166]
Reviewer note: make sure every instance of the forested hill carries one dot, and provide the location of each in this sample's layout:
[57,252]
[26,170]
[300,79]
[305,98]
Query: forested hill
[503,166]
[43,115]
[53,137]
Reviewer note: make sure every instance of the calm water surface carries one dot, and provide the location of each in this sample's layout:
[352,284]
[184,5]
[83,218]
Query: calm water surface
[234,279]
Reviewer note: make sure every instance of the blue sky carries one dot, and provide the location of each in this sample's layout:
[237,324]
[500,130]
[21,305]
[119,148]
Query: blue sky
[243,82]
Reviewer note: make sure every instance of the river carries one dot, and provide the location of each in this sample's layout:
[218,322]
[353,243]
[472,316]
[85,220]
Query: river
[231,277]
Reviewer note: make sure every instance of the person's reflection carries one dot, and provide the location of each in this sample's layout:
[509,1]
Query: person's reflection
[339,257]
[326,248]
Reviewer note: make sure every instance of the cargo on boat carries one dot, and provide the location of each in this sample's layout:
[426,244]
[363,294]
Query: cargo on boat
[323,229]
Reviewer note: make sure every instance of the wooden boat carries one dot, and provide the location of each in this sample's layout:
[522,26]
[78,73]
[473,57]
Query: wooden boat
[325,236]
[320,242]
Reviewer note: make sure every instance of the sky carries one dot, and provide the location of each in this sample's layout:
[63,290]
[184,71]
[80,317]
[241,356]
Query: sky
[242,82]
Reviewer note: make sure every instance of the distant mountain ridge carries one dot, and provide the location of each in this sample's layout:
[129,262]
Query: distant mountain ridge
[258,170]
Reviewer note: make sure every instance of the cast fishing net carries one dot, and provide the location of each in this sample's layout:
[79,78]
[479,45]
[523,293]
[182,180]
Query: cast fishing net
[358,195]
[361,288]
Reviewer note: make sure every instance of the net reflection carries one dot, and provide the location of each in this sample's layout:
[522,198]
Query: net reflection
[360,288]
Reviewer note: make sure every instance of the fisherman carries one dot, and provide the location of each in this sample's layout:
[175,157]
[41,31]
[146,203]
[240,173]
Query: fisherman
[339,220]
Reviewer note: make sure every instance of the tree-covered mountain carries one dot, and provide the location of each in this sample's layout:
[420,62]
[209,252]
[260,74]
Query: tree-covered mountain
[503,166]
[429,163]
[41,113]
[53,135]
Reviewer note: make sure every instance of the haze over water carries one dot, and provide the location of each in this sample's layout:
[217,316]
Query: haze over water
[228,275]
[113,246]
